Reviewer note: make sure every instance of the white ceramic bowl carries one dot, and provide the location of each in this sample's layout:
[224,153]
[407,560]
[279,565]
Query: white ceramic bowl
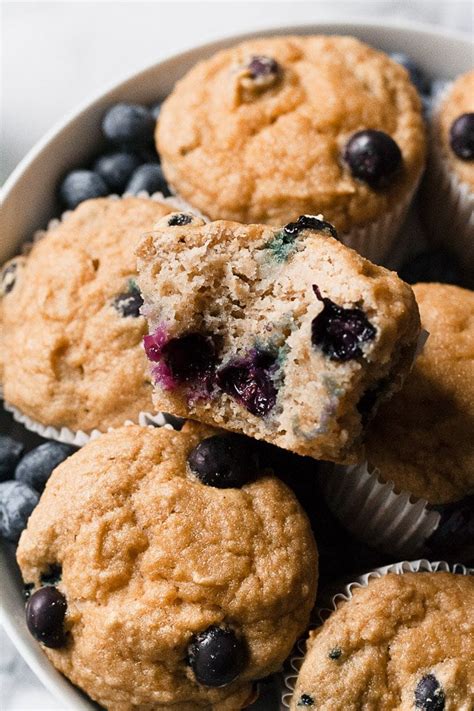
[29,202]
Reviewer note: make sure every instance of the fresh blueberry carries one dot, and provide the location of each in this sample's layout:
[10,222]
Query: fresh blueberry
[130,302]
[180,219]
[116,168]
[36,467]
[17,501]
[339,332]
[224,461]
[335,653]
[52,574]
[80,185]
[217,656]
[305,701]
[148,177]
[417,77]
[373,157]
[10,454]
[262,67]
[155,110]
[429,694]
[461,136]
[250,382]
[189,358]
[309,222]
[129,125]
[437,265]
[45,613]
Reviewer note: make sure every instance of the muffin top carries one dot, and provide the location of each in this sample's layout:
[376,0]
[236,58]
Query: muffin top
[152,557]
[402,643]
[422,439]
[258,132]
[72,335]
[452,132]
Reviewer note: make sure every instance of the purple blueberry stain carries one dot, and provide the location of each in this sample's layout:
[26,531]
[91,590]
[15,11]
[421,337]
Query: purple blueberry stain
[250,381]
[340,332]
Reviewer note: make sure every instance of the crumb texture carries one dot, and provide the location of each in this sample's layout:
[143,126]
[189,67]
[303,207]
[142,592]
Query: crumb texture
[398,637]
[250,290]
[275,153]
[70,357]
[423,439]
[150,556]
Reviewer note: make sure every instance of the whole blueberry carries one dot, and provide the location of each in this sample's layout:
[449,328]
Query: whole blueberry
[224,461]
[130,125]
[250,381]
[179,219]
[373,157]
[417,77]
[461,136]
[10,455]
[429,694]
[148,177]
[80,185]
[36,467]
[17,501]
[217,656]
[438,265]
[309,222]
[340,332]
[305,701]
[116,168]
[45,613]
[130,302]
[261,66]
[155,110]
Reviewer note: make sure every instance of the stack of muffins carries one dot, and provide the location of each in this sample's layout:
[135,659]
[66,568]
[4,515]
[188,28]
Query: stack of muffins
[171,567]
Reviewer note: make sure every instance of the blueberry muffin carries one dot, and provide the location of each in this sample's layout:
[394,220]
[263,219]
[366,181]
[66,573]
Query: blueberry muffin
[422,439]
[276,127]
[167,570]
[404,642]
[449,190]
[71,346]
[283,334]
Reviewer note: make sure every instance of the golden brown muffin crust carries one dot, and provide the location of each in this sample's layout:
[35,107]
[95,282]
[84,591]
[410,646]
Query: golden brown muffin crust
[459,100]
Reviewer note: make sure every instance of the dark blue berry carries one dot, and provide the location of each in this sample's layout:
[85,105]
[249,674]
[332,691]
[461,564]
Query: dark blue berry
[130,302]
[339,332]
[261,66]
[373,157]
[308,222]
[129,125]
[45,613]
[305,701]
[335,653]
[180,219]
[217,656]
[80,185]
[148,177]
[461,136]
[17,501]
[116,168]
[437,265]
[36,467]
[224,461]
[417,77]
[10,454]
[250,381]
[190,358]
[51,575]
[429,694]
[8,277]
[155,110]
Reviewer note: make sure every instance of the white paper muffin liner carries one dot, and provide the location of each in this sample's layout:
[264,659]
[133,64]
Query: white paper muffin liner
[333,599]
[448,203]
[64,434]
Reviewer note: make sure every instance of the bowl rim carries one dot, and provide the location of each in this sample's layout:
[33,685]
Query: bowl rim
[54,682]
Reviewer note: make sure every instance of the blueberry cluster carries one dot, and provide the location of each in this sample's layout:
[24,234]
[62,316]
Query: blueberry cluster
[22,480]
[130,163]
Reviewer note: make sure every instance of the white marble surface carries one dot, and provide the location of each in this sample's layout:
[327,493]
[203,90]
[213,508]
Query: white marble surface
[56,54]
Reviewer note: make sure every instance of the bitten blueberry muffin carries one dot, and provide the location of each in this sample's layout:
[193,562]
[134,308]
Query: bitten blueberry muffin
[167,570]
[276,127]
[403,643]
[72,333]
[422,439]
[282,334]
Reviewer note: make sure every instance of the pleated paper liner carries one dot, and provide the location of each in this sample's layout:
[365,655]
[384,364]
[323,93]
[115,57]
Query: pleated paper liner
[334,598]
